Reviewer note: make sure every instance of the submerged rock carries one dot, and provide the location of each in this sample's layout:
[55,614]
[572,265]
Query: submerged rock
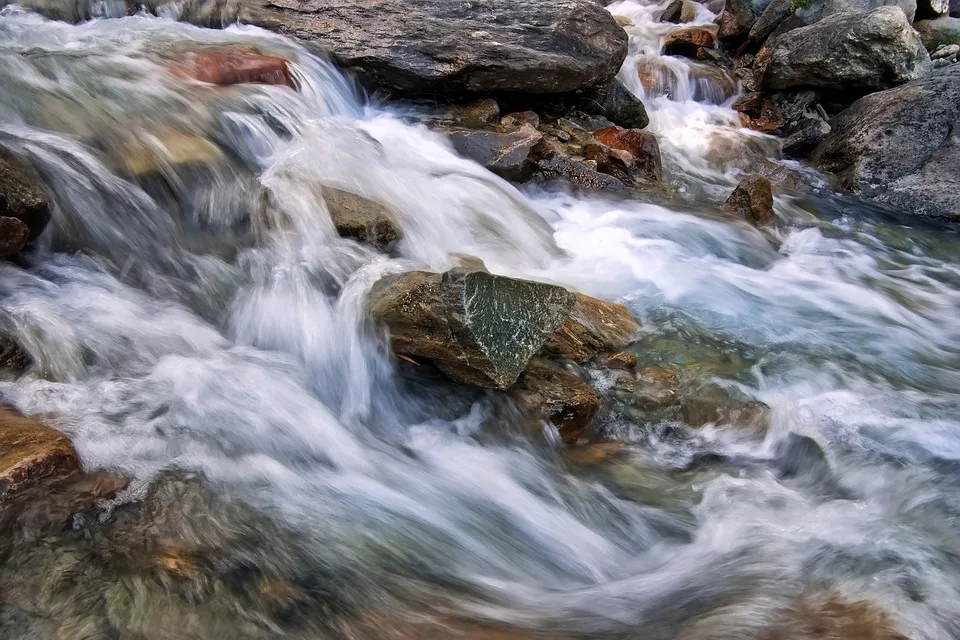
[226,67]
[22,195]
[511,156]
[416,47]
[845,52]
[479,329]
[31,453]
[362,219]
[547,391]
[656,387]
[715,405]
[752,200]
[153,154]
[898,147]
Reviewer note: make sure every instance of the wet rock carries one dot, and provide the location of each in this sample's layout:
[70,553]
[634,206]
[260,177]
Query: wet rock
[478,114]
[617,104]
[688,41]
[642,145]
[657,387]
[716,405]
[672,12]
[22,195]
[13,359]
[845,52]
[752,200]
[13,236]
[945,51]
[781,112]
[159,151]
[820,614]
[362,219]
[749,103]
[227,67]
[806,137]
[549,392]
[688,13]
[509,155]
[477,328]
[622,361]
[516,120]
[935,33]
[52,507]
[418,47]
[898,147]
[932,8]
[592,326]
[738,18]
[577,174]
[31,453]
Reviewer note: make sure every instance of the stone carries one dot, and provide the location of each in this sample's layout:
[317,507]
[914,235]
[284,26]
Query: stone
[31,453]
[806,137]
[509,155]
[227,67]
[22,194]
[932,8]
[514,121]
[935,33]
[478,328]
[417,47]
[657,387]
[820,613]
[688,13]
[13,359]
[547,391]
[362,219]
[752,200]
[622,360]
[642,145]
[154,154]
[945,51]
[608,161]
[688,41]
[845,52]
[672,12]
[782,111]
[738,18]
[715,405]
[955,8]
[617,104]
[576,174]
[478,114]
[50,508]
[13,236]
[899,148]
[592,326]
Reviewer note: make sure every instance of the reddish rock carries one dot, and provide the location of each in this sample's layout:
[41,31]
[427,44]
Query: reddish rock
[226,67]
[688,41]
[31,453]
[548,392]
[643,146]
[622,360]
[591,327]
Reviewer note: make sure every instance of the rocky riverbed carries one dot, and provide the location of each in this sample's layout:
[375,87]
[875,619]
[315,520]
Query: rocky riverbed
[488,319]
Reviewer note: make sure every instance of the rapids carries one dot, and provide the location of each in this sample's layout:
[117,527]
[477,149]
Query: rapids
[199,324]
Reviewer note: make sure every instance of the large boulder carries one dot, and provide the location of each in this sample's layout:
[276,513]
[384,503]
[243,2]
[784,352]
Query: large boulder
[845,52]
[31,453]
[22,195]
[417,47]
[899,147]
[738,18]
[937,32]
[955,8]
[781,16]
[482,329]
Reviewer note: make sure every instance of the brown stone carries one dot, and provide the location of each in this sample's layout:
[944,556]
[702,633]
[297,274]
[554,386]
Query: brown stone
[479,114]
[595,452]
[688,41]
[362,219]
[545,390]
[824,615]
[752,200]
[650,72]
[643,146]
[13,236]
[513,121]
[512,156]
[591,327]
[31,453]
[227,67]
[715,405]
[657,387]
[623,360]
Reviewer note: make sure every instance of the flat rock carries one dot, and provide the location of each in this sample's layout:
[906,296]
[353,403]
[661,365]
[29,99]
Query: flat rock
[898,147]
[417,47]
[846,52]
[511,155]
[227,67]
[31,453]
[362,219]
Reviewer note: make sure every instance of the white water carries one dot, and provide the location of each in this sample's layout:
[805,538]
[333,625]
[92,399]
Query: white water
[171,335]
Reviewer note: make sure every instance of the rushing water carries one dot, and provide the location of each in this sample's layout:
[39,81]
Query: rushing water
[212,320]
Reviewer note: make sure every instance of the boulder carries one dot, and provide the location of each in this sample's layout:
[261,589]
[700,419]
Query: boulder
[478,114]
[752,200]
[899,147]
[617,104]
[672,12]
[13,236]
[845,52]
[938,32]
[642,145]
[781,16]
[418,47]
[510,155]
[546,391]
[479,329]
[22,195]
[807,135]
[31,453]
[226,67]
[738,18]
[362,219]
[688,41]
[592,326]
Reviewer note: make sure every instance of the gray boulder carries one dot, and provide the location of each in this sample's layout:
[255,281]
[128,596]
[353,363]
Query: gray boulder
[955,8]
[512,155]
[900,147]
[781,16]
[738,18]
[846,52]
[934,33]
